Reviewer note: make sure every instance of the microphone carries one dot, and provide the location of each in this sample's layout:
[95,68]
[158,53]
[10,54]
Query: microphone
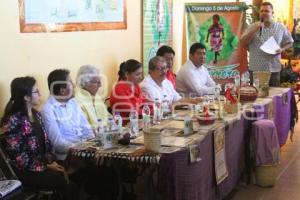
[260,29]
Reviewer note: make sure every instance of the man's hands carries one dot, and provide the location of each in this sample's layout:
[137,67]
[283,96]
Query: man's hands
[280,50]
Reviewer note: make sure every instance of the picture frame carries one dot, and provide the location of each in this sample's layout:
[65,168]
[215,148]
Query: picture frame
[69,15]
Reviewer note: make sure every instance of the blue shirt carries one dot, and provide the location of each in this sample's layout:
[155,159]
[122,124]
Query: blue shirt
[66,125]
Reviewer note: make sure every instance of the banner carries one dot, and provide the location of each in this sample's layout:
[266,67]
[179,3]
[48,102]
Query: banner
[157,28]
[218,26]
[221,170]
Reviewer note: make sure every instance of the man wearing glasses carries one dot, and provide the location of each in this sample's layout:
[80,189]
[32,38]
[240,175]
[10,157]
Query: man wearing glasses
[156,85]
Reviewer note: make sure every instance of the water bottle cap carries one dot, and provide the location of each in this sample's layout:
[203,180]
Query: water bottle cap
[110,118]
[117,113]
[99,120]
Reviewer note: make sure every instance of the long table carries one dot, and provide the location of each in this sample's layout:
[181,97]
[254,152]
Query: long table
[181,180]
[178,179]
[278,106]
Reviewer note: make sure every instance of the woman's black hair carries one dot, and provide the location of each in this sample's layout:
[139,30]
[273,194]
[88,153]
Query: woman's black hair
[216,16]
[19,88]
[129,66]
[121,72]
[57,80]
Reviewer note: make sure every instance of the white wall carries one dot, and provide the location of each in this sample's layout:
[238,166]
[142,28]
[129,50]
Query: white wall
[37,54]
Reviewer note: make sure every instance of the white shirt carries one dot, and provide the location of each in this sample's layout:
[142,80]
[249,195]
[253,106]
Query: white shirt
[152,90]
[192,80]
[66,125]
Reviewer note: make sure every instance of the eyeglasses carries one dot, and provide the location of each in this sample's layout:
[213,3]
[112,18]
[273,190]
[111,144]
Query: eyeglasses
[35,92]
[98,82]
[161,69]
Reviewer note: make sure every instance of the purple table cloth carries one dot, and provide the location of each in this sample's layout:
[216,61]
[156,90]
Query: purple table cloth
[282,118]
[266,145]
[282,115]
[180,180]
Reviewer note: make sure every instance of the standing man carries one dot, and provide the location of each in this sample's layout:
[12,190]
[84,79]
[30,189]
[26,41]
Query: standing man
[257,34]
[168,54]
[193,77]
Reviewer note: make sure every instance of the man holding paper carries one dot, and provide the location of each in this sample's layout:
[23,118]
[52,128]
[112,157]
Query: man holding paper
[265,41]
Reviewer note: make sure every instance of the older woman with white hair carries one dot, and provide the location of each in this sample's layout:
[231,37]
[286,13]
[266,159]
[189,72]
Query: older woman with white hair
[88,82]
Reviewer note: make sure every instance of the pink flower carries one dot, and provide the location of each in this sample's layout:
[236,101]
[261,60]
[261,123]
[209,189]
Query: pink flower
[26,129]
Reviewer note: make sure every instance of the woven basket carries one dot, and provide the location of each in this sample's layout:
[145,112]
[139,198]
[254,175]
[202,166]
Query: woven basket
[247,93]
[266,175]
[152,139]
[262,76]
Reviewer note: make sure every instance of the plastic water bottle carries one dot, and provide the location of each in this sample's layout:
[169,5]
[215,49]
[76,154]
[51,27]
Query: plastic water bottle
[146,117]
[156,111]
[246,78]
[118,121]
[100,132]
[188,125]
[100,128]
[134,123]
[165,107]
[237,80]
[111,126]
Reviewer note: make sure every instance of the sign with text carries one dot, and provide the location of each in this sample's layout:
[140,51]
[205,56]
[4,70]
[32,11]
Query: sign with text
[219,27]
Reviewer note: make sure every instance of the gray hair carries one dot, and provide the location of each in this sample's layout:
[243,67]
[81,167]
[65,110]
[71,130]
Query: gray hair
[153,62]
[85,74]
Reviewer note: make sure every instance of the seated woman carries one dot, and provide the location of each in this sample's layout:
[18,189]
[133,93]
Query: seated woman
[27,144]
[127,95]
[88,82]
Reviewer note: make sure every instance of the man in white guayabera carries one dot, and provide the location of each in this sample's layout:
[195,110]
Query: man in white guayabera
[65,122]
[193,76]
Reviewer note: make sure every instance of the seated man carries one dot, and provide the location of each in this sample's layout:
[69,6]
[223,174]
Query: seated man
[193,77]
[156,85]
[64,120]
[168,54]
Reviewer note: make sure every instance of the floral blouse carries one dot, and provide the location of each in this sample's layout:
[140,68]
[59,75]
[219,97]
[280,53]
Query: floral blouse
[22,144]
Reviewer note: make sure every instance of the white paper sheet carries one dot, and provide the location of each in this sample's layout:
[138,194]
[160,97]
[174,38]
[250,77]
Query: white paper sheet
[270,46]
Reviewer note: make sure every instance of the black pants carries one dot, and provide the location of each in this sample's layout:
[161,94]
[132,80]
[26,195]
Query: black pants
[48,180]
[98,181]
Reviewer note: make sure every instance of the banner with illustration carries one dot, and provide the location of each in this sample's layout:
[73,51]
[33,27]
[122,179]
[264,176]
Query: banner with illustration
[219,27]
[157,27]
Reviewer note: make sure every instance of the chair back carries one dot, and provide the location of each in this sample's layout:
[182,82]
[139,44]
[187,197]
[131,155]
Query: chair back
[5,166]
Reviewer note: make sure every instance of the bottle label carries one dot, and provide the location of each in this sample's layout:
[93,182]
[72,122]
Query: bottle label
[146,121]
[188,127]
[134,127]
